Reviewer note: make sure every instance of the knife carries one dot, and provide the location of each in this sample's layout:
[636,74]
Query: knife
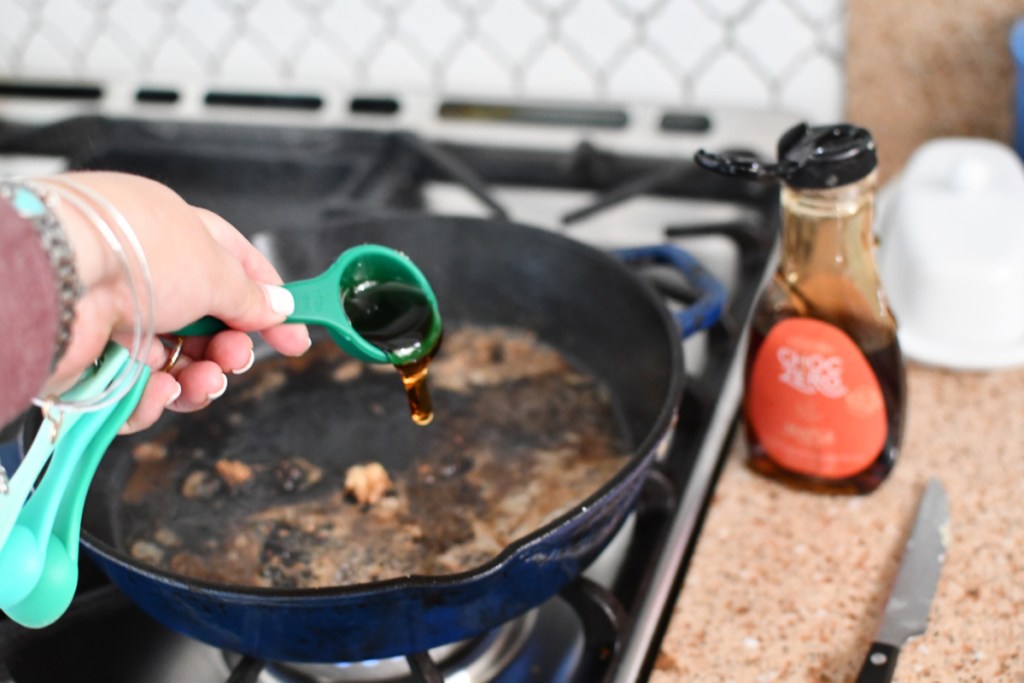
[910,600]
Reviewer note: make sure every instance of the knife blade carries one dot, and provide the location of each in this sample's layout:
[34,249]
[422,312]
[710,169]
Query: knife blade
[910,598]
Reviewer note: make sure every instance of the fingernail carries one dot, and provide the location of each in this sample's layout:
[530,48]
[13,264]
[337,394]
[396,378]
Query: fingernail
[174,395]
[280,299]
[220,392]
[309,345]
[245,368]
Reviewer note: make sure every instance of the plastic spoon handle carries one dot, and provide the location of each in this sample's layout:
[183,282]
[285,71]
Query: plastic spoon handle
[41,509]
[21,483]
[54,589]
[210,325]
[318,301]
[68,524]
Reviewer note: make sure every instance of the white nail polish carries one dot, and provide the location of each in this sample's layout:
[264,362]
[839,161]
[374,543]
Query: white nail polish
[245,368]
[174,396]
[220,392]
[280,299]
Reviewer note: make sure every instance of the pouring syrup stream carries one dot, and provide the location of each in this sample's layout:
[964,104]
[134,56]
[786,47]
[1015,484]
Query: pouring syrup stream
[397,318]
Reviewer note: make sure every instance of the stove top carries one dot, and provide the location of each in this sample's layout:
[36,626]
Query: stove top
[607,625]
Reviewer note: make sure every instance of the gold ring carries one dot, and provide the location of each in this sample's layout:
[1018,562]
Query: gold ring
[179,341]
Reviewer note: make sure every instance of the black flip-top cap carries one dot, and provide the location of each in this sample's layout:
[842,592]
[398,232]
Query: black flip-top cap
[826,156]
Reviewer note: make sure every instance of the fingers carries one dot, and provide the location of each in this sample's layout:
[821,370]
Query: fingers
[161,390]
[231,350]
[201,381]
[189,390]
[198,376]
[290,340]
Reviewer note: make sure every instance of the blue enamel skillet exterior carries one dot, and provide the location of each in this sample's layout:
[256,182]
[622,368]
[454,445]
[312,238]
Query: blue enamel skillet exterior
[585,302]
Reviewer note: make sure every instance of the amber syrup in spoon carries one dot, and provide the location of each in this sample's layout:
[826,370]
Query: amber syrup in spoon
[397,318]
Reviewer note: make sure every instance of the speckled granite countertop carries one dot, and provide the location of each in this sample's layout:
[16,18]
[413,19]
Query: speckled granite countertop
[788,586]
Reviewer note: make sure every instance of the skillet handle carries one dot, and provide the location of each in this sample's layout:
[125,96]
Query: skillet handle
[707,309]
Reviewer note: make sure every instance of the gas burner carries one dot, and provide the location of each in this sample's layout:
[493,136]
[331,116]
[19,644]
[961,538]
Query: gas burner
[471,661]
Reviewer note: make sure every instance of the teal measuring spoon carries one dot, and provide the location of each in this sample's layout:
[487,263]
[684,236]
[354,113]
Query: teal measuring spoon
[320,301]
[18,543]
[55,588]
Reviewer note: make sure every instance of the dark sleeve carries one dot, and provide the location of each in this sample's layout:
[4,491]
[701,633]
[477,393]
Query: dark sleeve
[28,313]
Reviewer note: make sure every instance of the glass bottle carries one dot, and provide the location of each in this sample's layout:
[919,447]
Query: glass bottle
[825,391]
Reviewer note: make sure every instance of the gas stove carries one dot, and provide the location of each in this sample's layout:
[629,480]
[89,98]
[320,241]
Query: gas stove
[609,177]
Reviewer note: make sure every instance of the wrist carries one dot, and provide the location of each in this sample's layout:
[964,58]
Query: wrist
[94,259]
[116,290]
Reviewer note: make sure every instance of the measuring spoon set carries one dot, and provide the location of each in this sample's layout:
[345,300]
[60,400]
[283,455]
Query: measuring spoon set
[41,517]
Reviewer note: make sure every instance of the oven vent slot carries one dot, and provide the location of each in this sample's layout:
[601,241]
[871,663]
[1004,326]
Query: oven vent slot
[157,96]
[678,122]
[591,117]
[264,100]
[374,105]
[50,91]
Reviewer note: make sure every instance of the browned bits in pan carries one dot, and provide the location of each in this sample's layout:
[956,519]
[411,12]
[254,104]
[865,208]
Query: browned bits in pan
[235,473]
[201,483]
[521,435]
[147,551]
[167,537]
[295,475]
[149,451]
[367,483]
[348,371]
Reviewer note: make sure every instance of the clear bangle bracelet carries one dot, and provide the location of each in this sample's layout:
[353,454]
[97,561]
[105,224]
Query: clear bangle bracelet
[126,247]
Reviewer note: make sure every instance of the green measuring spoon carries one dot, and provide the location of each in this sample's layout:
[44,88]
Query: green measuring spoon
[322,300]
[62,505]
[20,554]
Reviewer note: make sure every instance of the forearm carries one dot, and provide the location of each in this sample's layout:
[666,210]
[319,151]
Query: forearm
[28,313]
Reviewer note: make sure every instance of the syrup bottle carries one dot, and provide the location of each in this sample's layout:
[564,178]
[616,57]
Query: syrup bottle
[825,382]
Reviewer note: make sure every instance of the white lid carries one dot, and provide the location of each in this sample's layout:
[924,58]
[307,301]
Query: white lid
[952,254]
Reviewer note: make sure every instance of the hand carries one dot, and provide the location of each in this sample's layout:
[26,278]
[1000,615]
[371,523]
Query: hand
[199,265]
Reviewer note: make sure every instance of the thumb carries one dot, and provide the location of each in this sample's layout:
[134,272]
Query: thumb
[261,302]
[250,305]
[246,304]
[249,296]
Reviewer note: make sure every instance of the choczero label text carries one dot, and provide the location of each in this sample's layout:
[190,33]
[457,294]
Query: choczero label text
[814,402]
[812,373]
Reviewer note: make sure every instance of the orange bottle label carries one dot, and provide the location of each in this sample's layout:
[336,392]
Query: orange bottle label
[813,401]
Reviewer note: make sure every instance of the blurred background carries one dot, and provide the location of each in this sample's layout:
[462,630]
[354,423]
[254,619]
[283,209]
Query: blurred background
[909,71]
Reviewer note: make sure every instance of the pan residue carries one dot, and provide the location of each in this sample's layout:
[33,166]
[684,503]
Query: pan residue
[252,491]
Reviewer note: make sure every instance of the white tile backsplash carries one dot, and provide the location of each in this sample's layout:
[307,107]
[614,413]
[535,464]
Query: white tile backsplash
[776,54]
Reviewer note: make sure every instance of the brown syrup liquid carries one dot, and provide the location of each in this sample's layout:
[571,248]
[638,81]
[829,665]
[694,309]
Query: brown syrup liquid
[886,361]
[396,317]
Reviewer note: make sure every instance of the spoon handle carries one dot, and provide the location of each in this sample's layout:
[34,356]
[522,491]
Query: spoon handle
[20,484]
[67,526]
[209,325]
[24,478]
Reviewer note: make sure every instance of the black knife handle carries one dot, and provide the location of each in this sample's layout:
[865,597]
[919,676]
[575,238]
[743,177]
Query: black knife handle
[880,664]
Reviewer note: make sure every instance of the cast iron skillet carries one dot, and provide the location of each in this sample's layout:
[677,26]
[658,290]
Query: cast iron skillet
[584,302]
